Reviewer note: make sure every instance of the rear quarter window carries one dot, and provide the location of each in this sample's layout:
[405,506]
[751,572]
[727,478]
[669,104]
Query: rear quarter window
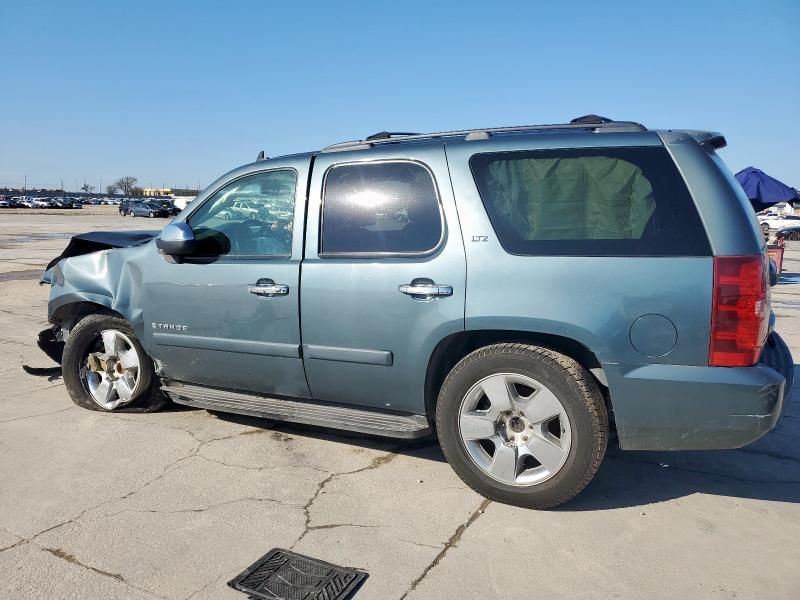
[589,202]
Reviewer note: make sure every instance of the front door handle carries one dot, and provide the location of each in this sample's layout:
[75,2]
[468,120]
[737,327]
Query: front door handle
[423,288]
[268,288]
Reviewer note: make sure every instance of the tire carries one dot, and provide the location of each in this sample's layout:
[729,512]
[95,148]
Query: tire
[765,228]
[152,214]
[86,337]
[132,214]
[572,444]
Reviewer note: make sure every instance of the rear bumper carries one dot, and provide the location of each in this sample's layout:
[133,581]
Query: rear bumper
[675,407]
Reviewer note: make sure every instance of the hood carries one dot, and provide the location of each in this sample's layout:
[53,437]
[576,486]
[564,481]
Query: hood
[94,241]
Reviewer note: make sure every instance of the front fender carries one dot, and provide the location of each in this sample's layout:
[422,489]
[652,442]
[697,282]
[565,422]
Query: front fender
[109,278]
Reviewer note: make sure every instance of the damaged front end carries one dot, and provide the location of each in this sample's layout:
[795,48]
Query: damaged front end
[51,342]
[96,271]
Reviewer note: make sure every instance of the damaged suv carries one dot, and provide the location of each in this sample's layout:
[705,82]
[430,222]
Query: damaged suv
[516,291]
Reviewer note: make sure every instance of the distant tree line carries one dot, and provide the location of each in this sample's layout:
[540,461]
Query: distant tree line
[125,186]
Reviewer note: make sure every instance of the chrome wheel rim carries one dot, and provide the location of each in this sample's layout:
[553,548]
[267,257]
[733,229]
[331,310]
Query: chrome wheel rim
[515,429]
[111,372]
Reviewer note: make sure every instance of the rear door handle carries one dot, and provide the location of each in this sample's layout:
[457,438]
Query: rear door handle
[423,288]
[268,288]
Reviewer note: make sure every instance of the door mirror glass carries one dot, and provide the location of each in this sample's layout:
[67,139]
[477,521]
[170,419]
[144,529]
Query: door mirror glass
[177,239]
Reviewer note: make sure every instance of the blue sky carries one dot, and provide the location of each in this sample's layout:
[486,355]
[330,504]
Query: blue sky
[176,93]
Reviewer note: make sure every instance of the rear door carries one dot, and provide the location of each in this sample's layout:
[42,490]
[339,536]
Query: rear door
[383,277]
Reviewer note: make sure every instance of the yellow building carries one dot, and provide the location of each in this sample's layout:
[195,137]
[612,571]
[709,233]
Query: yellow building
[171,192]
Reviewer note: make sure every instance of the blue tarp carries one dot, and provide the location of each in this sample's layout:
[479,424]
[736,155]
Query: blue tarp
[763,190]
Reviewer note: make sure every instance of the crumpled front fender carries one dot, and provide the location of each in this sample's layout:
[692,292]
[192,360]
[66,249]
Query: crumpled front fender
[109,278]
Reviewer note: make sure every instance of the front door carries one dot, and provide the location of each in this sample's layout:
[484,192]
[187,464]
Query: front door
[384,274]
[228,316]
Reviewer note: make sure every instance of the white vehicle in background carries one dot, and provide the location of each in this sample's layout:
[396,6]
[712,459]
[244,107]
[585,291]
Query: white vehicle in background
[771,221]
[42,203]
[182,201]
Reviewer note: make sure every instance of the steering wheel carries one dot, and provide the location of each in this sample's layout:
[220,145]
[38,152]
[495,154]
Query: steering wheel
[246,234]
[243,238]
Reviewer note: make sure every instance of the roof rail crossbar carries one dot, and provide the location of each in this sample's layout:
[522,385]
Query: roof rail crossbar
[384,137]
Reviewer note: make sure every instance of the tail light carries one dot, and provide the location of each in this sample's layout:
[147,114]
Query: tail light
[740,310]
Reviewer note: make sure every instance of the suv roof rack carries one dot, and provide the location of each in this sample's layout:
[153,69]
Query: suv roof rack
[593,123]
[385,135]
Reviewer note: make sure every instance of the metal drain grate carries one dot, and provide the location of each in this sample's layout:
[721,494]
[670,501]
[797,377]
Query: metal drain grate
[284,575]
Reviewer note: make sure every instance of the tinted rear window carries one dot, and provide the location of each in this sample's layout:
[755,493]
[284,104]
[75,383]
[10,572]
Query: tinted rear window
[389,207]
[589,202]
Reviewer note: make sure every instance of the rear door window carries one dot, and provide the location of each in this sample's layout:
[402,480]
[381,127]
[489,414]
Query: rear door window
[380,208]
[589,202]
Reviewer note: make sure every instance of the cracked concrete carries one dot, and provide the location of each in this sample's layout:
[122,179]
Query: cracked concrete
[172,505]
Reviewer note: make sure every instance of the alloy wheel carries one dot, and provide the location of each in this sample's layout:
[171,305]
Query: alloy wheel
[515,429]
[111,371]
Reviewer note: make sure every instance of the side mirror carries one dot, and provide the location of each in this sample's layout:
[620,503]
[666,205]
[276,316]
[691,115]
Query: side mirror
[177,239]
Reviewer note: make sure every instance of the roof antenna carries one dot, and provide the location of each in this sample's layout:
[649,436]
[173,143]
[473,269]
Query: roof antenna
[261,156]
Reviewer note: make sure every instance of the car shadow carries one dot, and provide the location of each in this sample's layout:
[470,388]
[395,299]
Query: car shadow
[426,448]
[766,470]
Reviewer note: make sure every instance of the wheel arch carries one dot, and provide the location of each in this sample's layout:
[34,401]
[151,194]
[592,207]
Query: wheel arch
[451,349]
[69,313]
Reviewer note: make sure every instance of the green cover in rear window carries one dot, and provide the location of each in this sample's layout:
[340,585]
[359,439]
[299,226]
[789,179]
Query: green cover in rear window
[606,202]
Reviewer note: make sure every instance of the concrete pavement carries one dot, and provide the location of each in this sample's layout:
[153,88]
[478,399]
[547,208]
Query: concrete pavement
[174,504]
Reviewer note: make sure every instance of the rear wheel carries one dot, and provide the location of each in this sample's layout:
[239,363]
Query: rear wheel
[152,214]
[522,425]
[105,367]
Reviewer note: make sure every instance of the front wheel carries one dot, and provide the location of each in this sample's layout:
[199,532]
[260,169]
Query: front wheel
[105,367]
[152,214]
[522,425]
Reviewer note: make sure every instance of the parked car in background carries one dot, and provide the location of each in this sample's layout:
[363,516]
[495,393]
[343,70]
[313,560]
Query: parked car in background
[242,209]
[182,201]
[171,209]
[526,290]
[145,209]
[5,203]
[775,221]
[66,203]
[42,203]
[124,205]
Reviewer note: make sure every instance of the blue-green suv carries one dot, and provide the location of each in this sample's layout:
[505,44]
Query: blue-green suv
[518,291]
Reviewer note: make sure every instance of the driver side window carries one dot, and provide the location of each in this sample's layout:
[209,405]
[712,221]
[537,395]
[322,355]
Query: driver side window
[251,216]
